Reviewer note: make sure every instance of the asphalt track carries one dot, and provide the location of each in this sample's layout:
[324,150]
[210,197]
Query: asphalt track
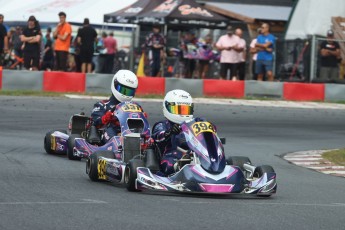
[41,191]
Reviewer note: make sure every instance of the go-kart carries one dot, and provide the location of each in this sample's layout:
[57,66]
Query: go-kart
[77,144]
[203,168]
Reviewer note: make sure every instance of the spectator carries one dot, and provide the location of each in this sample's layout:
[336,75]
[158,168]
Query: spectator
[48,56]
[62,36]
[241,65]
[188,47]
[110,44]
[206,54]
[3,39]
[48,35]
[330,54]
[102,53]
[86,38]
[228,45]
[31,39]
[17,43]
[265,44]
[254,52]
[156,42]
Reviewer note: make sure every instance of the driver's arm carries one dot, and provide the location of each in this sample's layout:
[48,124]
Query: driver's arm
[97,113]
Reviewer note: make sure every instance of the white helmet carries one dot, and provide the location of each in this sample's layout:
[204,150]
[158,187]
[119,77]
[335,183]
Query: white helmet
[123,85]
[178,106]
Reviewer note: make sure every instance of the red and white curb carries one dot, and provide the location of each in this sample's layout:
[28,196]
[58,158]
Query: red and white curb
[314,160]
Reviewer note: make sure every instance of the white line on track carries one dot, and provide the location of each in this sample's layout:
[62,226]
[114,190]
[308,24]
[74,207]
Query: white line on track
[84,201]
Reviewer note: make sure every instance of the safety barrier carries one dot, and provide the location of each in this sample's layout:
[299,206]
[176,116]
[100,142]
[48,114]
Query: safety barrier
[100,83]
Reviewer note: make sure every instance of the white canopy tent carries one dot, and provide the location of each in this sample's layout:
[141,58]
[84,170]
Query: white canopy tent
[47,10]
[313,17]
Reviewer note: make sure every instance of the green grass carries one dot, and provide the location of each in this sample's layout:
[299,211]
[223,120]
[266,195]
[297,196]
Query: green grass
[335,156]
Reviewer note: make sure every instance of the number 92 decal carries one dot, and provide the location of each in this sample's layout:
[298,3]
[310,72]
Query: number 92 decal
[200,127]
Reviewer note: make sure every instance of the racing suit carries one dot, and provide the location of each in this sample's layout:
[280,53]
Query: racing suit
[99,109]
[168,146]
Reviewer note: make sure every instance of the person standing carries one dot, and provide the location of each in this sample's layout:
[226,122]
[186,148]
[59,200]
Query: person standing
[31,39]
[110,44]
[86,38]
[156,42]
[241,65]
[206,54]
[265,44]
[330,53]
[62,36]
[229,46]
[254,52]
[3,39]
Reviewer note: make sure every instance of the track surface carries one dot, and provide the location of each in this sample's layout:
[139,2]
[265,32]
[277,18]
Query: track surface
[41,191]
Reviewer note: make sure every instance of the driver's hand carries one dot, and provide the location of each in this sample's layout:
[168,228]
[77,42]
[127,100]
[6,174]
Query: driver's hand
[174,129]
[108,117]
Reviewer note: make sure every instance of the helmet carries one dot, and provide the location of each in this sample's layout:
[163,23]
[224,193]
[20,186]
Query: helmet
[178,106]
[123,85]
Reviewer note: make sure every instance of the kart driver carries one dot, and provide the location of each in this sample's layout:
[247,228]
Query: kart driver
[177,108]
[123,87]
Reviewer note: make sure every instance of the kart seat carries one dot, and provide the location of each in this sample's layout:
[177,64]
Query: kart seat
[93,137]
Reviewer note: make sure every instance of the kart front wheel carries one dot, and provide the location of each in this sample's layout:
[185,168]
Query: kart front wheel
[71,145]
[238,161]
[48,141]
[259,172]
[131,173]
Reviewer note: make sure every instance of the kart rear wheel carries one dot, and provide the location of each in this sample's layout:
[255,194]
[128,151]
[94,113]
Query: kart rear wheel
[47,141]
[259,172]
[71,145]
[131,173]
[238,161]
[92,163]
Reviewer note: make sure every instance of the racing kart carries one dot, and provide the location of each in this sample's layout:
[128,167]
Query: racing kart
[203,168]
[77,142]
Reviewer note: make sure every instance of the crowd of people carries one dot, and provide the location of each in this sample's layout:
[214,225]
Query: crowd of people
[27,47]
[33,50]
[196,54]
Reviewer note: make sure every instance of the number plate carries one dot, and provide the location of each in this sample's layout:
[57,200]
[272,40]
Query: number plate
[200,127]
[131,108]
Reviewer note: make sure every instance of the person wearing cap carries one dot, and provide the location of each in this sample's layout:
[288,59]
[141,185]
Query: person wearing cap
[155,41]
[31,38]
[62,36]
[330,54]
[264,45]
[86,38]
[3,38]
[229,45]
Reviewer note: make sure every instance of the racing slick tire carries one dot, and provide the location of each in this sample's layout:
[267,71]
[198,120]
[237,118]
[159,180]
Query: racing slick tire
[259,172]
[71,145]
[92,163]
[131,173]
[238,161]
[47,141]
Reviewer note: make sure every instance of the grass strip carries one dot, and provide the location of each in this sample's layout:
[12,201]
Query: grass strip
[335,156]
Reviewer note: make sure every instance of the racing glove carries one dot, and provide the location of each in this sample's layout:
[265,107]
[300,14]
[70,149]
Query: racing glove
[174,129]
[108,117]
